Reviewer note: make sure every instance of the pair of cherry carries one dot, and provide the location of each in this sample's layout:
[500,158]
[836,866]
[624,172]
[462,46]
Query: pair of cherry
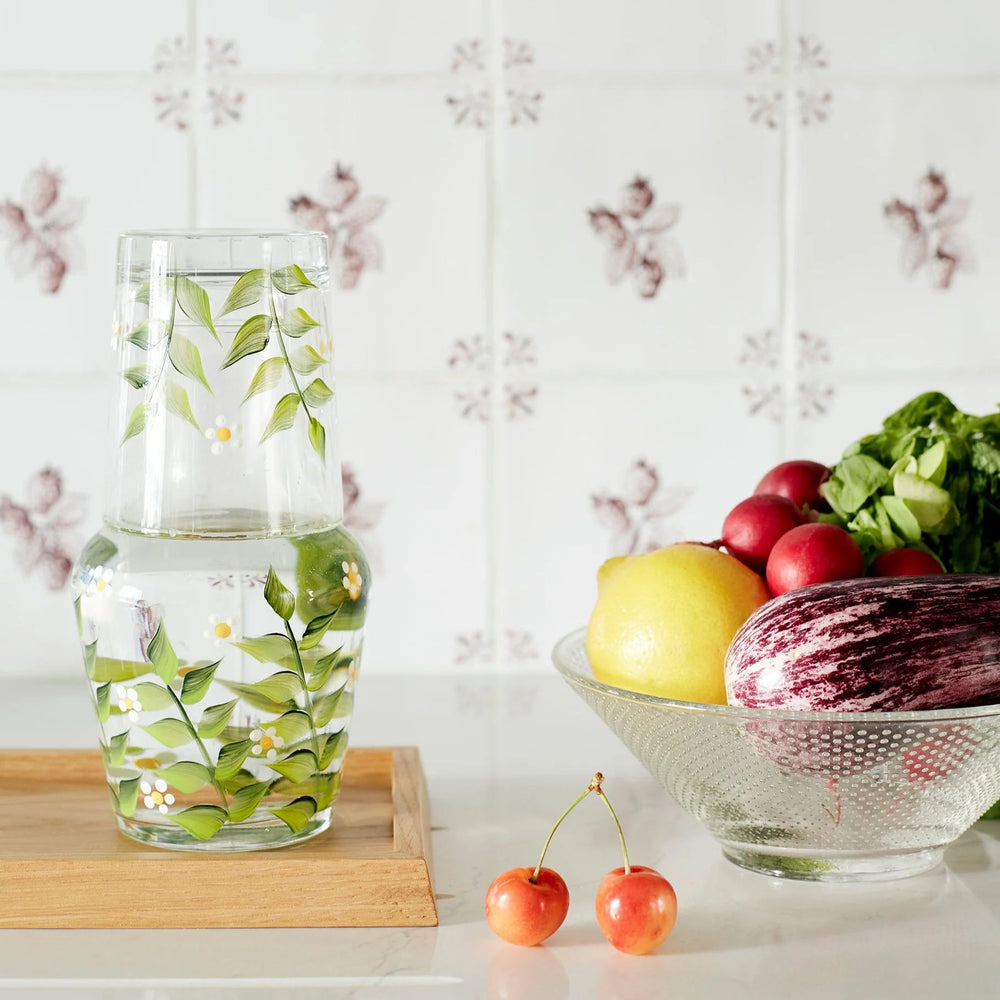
[635,906]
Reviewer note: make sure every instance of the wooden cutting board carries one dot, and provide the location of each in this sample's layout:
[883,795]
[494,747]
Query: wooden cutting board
[63,862]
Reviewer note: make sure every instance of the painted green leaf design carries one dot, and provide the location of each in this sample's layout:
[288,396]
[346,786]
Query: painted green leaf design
[296,766]
[245,292]
[152,697]
[136,421]
[202,822]
[99,550]
[271,648]
[329,789]
[315,630]
[193,300]
[296,323]
[336,705]
[137,376]
[186,775]
[214,719]
[290,280]
[283,416]
[246,799]
[280,599]
[142,293]
[110,668]
[317,437]
[334,747]
[239,780]
[114,751]
[267,376]
[231,758]
[306,360]
[102,696]
[178,403]
[197,682]
[275,691]
[170,732]
[161,654]
[297,813]
[128,796]
[186,358]
[251,338]
[317,393]
[326,667]
[140,336]
[292,726]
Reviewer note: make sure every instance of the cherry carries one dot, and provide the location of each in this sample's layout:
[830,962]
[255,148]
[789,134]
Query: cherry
[525,906]
[636,907]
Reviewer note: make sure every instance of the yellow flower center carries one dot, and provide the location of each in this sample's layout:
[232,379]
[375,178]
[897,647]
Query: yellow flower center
[101,584]
[223,434]
[265,743]
[147,763]
[157,797]
[223,631]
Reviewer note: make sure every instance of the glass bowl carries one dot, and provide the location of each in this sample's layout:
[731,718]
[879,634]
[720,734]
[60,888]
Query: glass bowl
[821,796]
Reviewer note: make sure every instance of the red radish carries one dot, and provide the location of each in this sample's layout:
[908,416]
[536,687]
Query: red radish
[905,562]
[799,481]
[753,526]
[813,553]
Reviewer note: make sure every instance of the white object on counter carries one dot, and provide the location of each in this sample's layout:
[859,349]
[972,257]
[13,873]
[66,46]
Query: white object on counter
[503,757]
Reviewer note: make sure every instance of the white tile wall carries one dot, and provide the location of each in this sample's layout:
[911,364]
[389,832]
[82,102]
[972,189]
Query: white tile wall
[509,414]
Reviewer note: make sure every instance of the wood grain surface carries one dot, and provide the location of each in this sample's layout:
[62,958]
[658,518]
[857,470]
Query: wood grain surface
[63,862]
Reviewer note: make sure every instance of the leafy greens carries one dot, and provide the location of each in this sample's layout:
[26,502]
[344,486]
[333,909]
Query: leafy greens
[930,479]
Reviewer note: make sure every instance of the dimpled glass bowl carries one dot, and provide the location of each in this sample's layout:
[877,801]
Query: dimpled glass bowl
[822,796]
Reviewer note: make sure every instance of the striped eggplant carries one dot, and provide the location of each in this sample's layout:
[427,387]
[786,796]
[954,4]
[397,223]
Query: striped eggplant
[877,644]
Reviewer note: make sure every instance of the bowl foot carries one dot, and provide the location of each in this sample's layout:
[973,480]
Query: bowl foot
[832,866]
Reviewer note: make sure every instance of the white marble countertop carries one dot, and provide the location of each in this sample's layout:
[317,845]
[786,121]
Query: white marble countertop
[503,757]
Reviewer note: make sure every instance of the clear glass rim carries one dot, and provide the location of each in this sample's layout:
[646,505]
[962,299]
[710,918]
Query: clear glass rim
[194,234]
[571,645]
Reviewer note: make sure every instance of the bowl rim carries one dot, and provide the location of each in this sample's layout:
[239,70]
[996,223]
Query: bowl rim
[575,641]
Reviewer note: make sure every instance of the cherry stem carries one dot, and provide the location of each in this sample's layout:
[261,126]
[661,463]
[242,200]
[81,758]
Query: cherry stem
[548,840]
[621,834]
[594,786]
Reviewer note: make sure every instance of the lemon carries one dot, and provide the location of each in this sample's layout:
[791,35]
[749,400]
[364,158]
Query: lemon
[664,620]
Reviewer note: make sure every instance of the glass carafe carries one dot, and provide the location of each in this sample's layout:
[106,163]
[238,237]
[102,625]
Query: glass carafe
[221,606]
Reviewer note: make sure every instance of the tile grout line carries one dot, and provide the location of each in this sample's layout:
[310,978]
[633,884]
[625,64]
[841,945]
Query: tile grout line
[786,238]
[194,136]
[490,333]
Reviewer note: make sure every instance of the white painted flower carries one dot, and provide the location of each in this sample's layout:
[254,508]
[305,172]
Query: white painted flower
[224,435]
[220,628]
[128,701]
[100,580]
[156,796]
[266,743]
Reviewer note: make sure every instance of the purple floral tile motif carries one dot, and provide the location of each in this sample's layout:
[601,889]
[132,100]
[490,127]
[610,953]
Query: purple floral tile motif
[172,100]
[39,230]
[929,227]
[636,239]
[470,102]
[516,646]
[474,357]
[361,516]
[762,391]
[638,515]
[765,66]
[42,527]
[344,214]
[524,100]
